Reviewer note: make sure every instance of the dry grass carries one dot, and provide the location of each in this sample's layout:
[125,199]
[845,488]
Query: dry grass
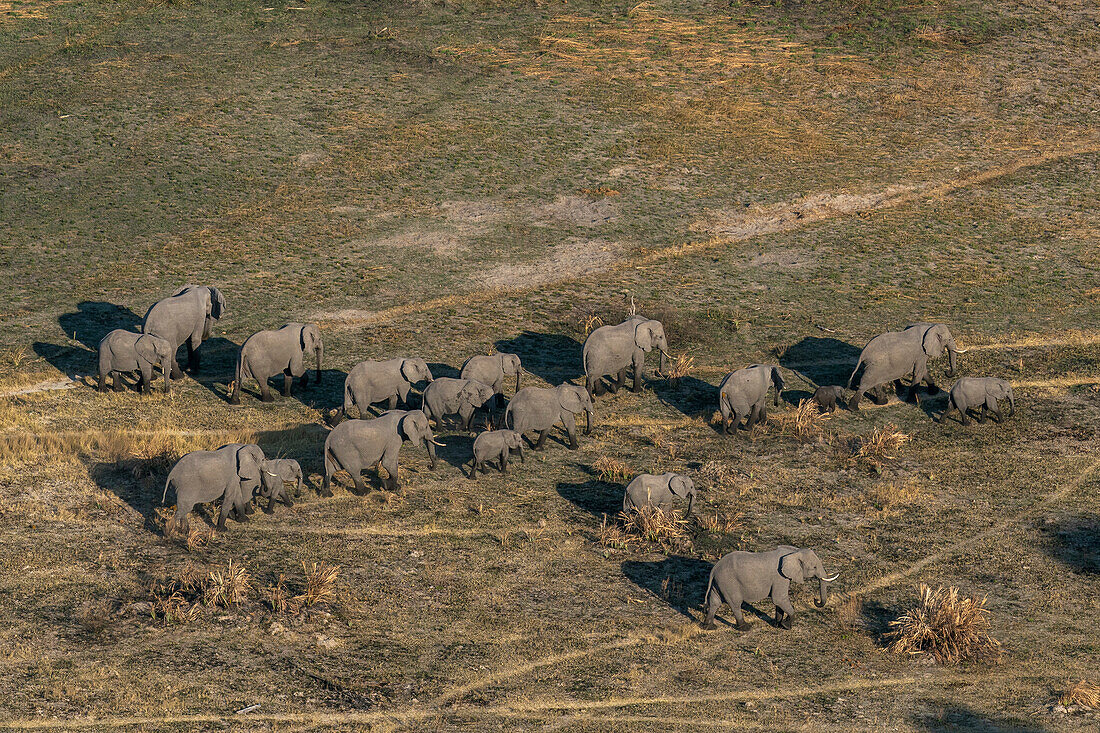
[320,584]
[591,323]
[1085,694]
[228,587]
[724,478]
[164,445]
[612,470]
[278,599]
[681,367]
[878,448]
[654,524]
[613,536]
[891,494]
[949,626]
[717,523]
[198,537]
[805,422]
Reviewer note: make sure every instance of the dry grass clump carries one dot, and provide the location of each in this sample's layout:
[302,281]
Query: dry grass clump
[949,626]
[613,536]
[717,524]
[320,584]
[881,446]
[723,477]
[654,524]
[1085,694]
[591,323]
[805,422]
[228,587]
[681,367]
[611,470]
[890,494]
[198,537]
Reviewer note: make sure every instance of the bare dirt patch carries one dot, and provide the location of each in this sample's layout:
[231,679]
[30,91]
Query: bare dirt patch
[442,243]
[576,210]
[573,259]
[473,212]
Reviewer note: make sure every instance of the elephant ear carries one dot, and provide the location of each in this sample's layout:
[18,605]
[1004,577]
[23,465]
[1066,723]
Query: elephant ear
[408,370]
[790,567]
[471,392]
[217,303]
[311,337]
[413,426]
[777,379]
[680,485]
[146,348]
[514,362]
[249,460]
[570,399]
[644,335]
[935,338]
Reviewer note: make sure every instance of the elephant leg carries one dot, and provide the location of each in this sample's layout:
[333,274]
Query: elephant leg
[465,415]
[853,403]
[637,376]
[570,430]
[595,386]
[222,512]
[754,417]
[359,486]
[390,464]
[542,439]
[504,462]
[500,401]
[963,413]
[177,373]
[265,391]
[192,357]
[763,414]
[286,499]
[473,471]
[288,381]
[521,458]
[714,602]
[393,403]
[270,508]
[783,606]
[102,381]
[116,381]
[879,396]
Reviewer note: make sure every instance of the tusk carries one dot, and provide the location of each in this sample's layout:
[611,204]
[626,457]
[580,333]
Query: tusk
[433,441]
[830,580]
[961,351]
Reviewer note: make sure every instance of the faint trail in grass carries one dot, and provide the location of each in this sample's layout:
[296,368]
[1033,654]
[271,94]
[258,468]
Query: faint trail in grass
[42,387]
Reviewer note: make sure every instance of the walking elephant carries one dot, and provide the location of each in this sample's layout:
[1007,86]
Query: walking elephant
[495,444]
[753,576]
[667,489]
[276,474]
[185,317]
[374,381]
[126,351]
[449,396]
[359,444]
[743,395]
[231,473]
[896,354]
[540,408]
[267,353]
[492,370]
[984,394]
[610,351]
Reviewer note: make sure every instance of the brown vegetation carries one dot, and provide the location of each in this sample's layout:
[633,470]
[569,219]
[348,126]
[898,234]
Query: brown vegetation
[950,627]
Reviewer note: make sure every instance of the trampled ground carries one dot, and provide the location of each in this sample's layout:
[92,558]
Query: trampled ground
[775,182]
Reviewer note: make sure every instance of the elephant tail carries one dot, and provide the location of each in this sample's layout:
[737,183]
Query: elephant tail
[349,399]
[724,405]
[509,420]
[855,371]
[710,584]
[167,483]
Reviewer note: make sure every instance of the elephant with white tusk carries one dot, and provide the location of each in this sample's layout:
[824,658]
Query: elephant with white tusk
[185,317]
[891,356]
[492,370]
[610,351]
[370,382]
[284,351]
[743,395]
[540,408]
[753,576]
[231,473]
[125,351]
[450,396]
[358,444]
[667,489]
[984,394]
[276,473]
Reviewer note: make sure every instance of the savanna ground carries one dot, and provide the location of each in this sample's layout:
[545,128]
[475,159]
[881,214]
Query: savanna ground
[778,182]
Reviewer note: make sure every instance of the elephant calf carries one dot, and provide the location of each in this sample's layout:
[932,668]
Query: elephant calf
[492,370]
[495,444]
[125,351]
[450,396]
[828,397]
[743,395]
[268,353]
[231,473]
[281,471]
[753,576]
[659,491]
[982,394]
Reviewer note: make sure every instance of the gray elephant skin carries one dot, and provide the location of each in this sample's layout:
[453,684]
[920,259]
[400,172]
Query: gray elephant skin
[278,473]
[185,317]
[450,396]
[358,444]
[540,408]
[659,491]
[495,445]
[743,395]
[492,370]
[283,351]
[126,351]
[828,397]
[891,356]
[610,351]
[231,473]
[370,382]
[984,394]
[753,576]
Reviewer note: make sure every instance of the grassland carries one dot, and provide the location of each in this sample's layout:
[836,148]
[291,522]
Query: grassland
[775,181]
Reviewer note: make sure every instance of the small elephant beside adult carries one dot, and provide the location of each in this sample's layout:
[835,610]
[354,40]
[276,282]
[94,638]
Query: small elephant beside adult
[283,351]
[828,397]
[492,369]
[451,396]
[282,471]
[232,473]
[495,445]
[741,577]
[983,394]
[891,356]
[185,317]
[540,408]
[659,491]
[743,395]
[609,351]
[355,445]
[370,382]
[126,351]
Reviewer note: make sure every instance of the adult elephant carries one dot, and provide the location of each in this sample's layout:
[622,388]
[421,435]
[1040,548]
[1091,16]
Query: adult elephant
[369,382]
[358,444]
[125,351]
[267,353]
[492,370]
[540,408]
[610,351]
[896,354]
[450,396]
[743,394]
[231,473]
[185,317]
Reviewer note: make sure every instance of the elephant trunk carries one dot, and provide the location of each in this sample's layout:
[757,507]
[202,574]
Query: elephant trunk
[166,367]
[320,353]
[952,352]
[823,593]
[430,445]
[691,503]
[589,414]
[1011,403]
[518,372]
[662,368]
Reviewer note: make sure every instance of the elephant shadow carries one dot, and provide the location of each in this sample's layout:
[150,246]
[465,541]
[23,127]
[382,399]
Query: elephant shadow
[598,498]
[554,358]
[678,580]
[1074,541]
[139,482]
[439,369]
[87,325]
[951,716]
[457,450]
[688,395]
[823,361]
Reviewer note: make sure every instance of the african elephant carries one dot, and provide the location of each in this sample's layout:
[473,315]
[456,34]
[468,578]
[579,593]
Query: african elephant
[125,351]
[449,396]
[374,381]
[358,444]
[492,370]
[185,317]
[982,394]
[753,576]
[277,472]
[267,353]
[495,444]
[896,354]
[660,491]
[744,394]
[231,473]
[540,408]
[610,350]
[827,397]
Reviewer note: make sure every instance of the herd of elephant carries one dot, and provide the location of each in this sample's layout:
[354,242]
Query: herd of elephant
[239,474]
